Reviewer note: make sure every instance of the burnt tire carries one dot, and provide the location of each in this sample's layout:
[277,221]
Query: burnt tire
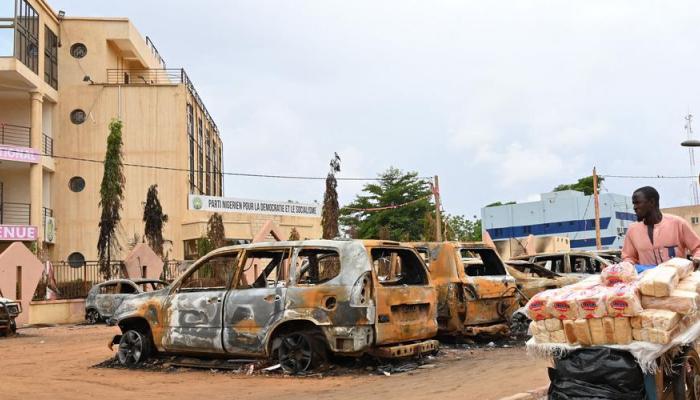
[134,348]
[301,352]
[93,317]
[13,327]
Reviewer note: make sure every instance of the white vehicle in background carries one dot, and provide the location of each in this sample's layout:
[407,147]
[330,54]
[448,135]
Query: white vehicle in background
[9,310]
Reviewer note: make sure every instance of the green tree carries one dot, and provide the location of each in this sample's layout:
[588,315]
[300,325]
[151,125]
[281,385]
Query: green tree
[393,188]
[204,246]
[154,220]
[215,231]
[329,213]
[111,197]
[584,185]
[462,229]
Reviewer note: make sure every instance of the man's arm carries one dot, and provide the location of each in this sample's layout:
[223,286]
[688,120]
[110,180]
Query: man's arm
[629,252]
[690,240]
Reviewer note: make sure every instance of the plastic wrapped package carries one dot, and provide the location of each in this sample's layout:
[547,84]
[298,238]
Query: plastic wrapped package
[682,265]
[569,331]
[623,272]
[595,325]
[623,331]
[553,324]
[537,308]
[690,283]
[587,283]
[641,334]
[557,336]
[680,301]
[542,337]
[664,319]
[583,332]
[661,336]
[563,304]
[609,329]
[591,302]
[658,282]
[623,300]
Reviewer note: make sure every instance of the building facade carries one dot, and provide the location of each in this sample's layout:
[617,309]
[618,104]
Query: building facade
[688,213]
[62,80]
[569,213]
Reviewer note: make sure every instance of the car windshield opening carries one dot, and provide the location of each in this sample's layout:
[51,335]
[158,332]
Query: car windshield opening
[481,262]
[398,267]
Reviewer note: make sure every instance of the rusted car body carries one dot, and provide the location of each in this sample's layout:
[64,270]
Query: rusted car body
[105,297]
[566,262]
[532,278]
[9,310]
[290,301]
[475,292]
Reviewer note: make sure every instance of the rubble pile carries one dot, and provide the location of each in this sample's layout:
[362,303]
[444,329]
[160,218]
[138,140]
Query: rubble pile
[619,306]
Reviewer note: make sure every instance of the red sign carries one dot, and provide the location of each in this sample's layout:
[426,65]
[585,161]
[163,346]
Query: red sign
[18,232]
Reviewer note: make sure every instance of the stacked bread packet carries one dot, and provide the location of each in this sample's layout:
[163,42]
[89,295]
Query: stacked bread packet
[619,306]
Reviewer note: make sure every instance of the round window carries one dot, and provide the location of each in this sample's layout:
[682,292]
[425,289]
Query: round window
[77,116]
[76,260]
[78,50]
[76,184]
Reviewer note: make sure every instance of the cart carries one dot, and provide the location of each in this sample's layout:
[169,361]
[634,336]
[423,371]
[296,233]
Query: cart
[670,372]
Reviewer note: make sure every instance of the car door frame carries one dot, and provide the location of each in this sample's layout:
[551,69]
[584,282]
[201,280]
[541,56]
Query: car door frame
[192,335]
[249,313]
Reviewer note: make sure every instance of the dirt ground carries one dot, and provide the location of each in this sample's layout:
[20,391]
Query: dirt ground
[57,363]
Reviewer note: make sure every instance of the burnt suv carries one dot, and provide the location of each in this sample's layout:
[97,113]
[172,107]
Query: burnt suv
[476,295]
[293,302]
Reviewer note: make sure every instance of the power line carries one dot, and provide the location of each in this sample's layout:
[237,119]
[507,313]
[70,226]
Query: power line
[196,171]
[649,176]
[389,207]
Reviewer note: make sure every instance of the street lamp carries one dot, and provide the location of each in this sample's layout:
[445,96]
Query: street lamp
[691,143]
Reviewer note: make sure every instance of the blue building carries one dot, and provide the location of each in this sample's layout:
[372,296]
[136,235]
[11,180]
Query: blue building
[567,213]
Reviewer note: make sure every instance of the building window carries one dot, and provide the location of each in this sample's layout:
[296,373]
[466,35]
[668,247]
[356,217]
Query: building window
[76,260]
[50,58]
[27,35]
[77,116]
[208,164]
[190,135]
[78,50]
[200,157]
[694,220]
[76,184]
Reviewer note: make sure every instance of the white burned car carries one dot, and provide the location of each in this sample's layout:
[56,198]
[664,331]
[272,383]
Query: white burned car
[292,302]
[105,297]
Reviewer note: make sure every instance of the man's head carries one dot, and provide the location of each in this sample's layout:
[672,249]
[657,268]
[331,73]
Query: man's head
[646,202]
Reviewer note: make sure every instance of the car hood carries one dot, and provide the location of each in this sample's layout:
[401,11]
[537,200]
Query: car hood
[132,303]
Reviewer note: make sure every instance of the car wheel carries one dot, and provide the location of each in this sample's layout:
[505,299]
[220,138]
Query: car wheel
[519,324]
[13,327]
[92,317]
[134,348]
[300,352]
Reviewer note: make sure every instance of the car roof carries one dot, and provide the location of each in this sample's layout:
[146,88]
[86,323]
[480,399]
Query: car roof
[147,280]
[335,243]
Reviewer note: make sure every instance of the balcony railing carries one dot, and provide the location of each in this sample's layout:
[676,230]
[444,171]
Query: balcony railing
[14,213]
[155,77]
[14,135]
[47,145]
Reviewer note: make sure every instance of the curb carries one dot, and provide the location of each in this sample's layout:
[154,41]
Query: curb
[535,394]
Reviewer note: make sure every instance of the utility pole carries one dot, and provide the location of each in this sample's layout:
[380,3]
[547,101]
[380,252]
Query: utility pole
[596,203]
[689,132]
[438,215]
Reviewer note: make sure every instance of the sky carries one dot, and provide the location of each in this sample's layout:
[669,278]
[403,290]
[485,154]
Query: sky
[503,100]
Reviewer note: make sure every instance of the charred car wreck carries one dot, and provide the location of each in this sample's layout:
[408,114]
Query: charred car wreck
[292,302]
[476,295]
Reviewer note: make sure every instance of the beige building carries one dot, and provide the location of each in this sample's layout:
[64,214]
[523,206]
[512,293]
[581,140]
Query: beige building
[688,213]
[62,80]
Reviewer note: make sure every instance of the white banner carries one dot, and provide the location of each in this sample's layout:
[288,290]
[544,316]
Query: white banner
[248,206]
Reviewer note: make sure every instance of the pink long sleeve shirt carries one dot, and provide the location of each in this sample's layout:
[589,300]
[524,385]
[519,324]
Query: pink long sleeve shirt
[673,237]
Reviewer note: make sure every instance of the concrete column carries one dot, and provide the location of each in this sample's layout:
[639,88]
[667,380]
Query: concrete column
[36,181]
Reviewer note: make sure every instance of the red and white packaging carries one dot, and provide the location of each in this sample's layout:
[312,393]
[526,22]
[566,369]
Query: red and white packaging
[623,301]
[563,304]
[591,302]
[623,272]
[537,308]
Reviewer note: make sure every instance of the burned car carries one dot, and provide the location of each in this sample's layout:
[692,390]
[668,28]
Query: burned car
[9,310]
[565,262]
[105,297]
[532,278]
[292,302]
[475,292]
